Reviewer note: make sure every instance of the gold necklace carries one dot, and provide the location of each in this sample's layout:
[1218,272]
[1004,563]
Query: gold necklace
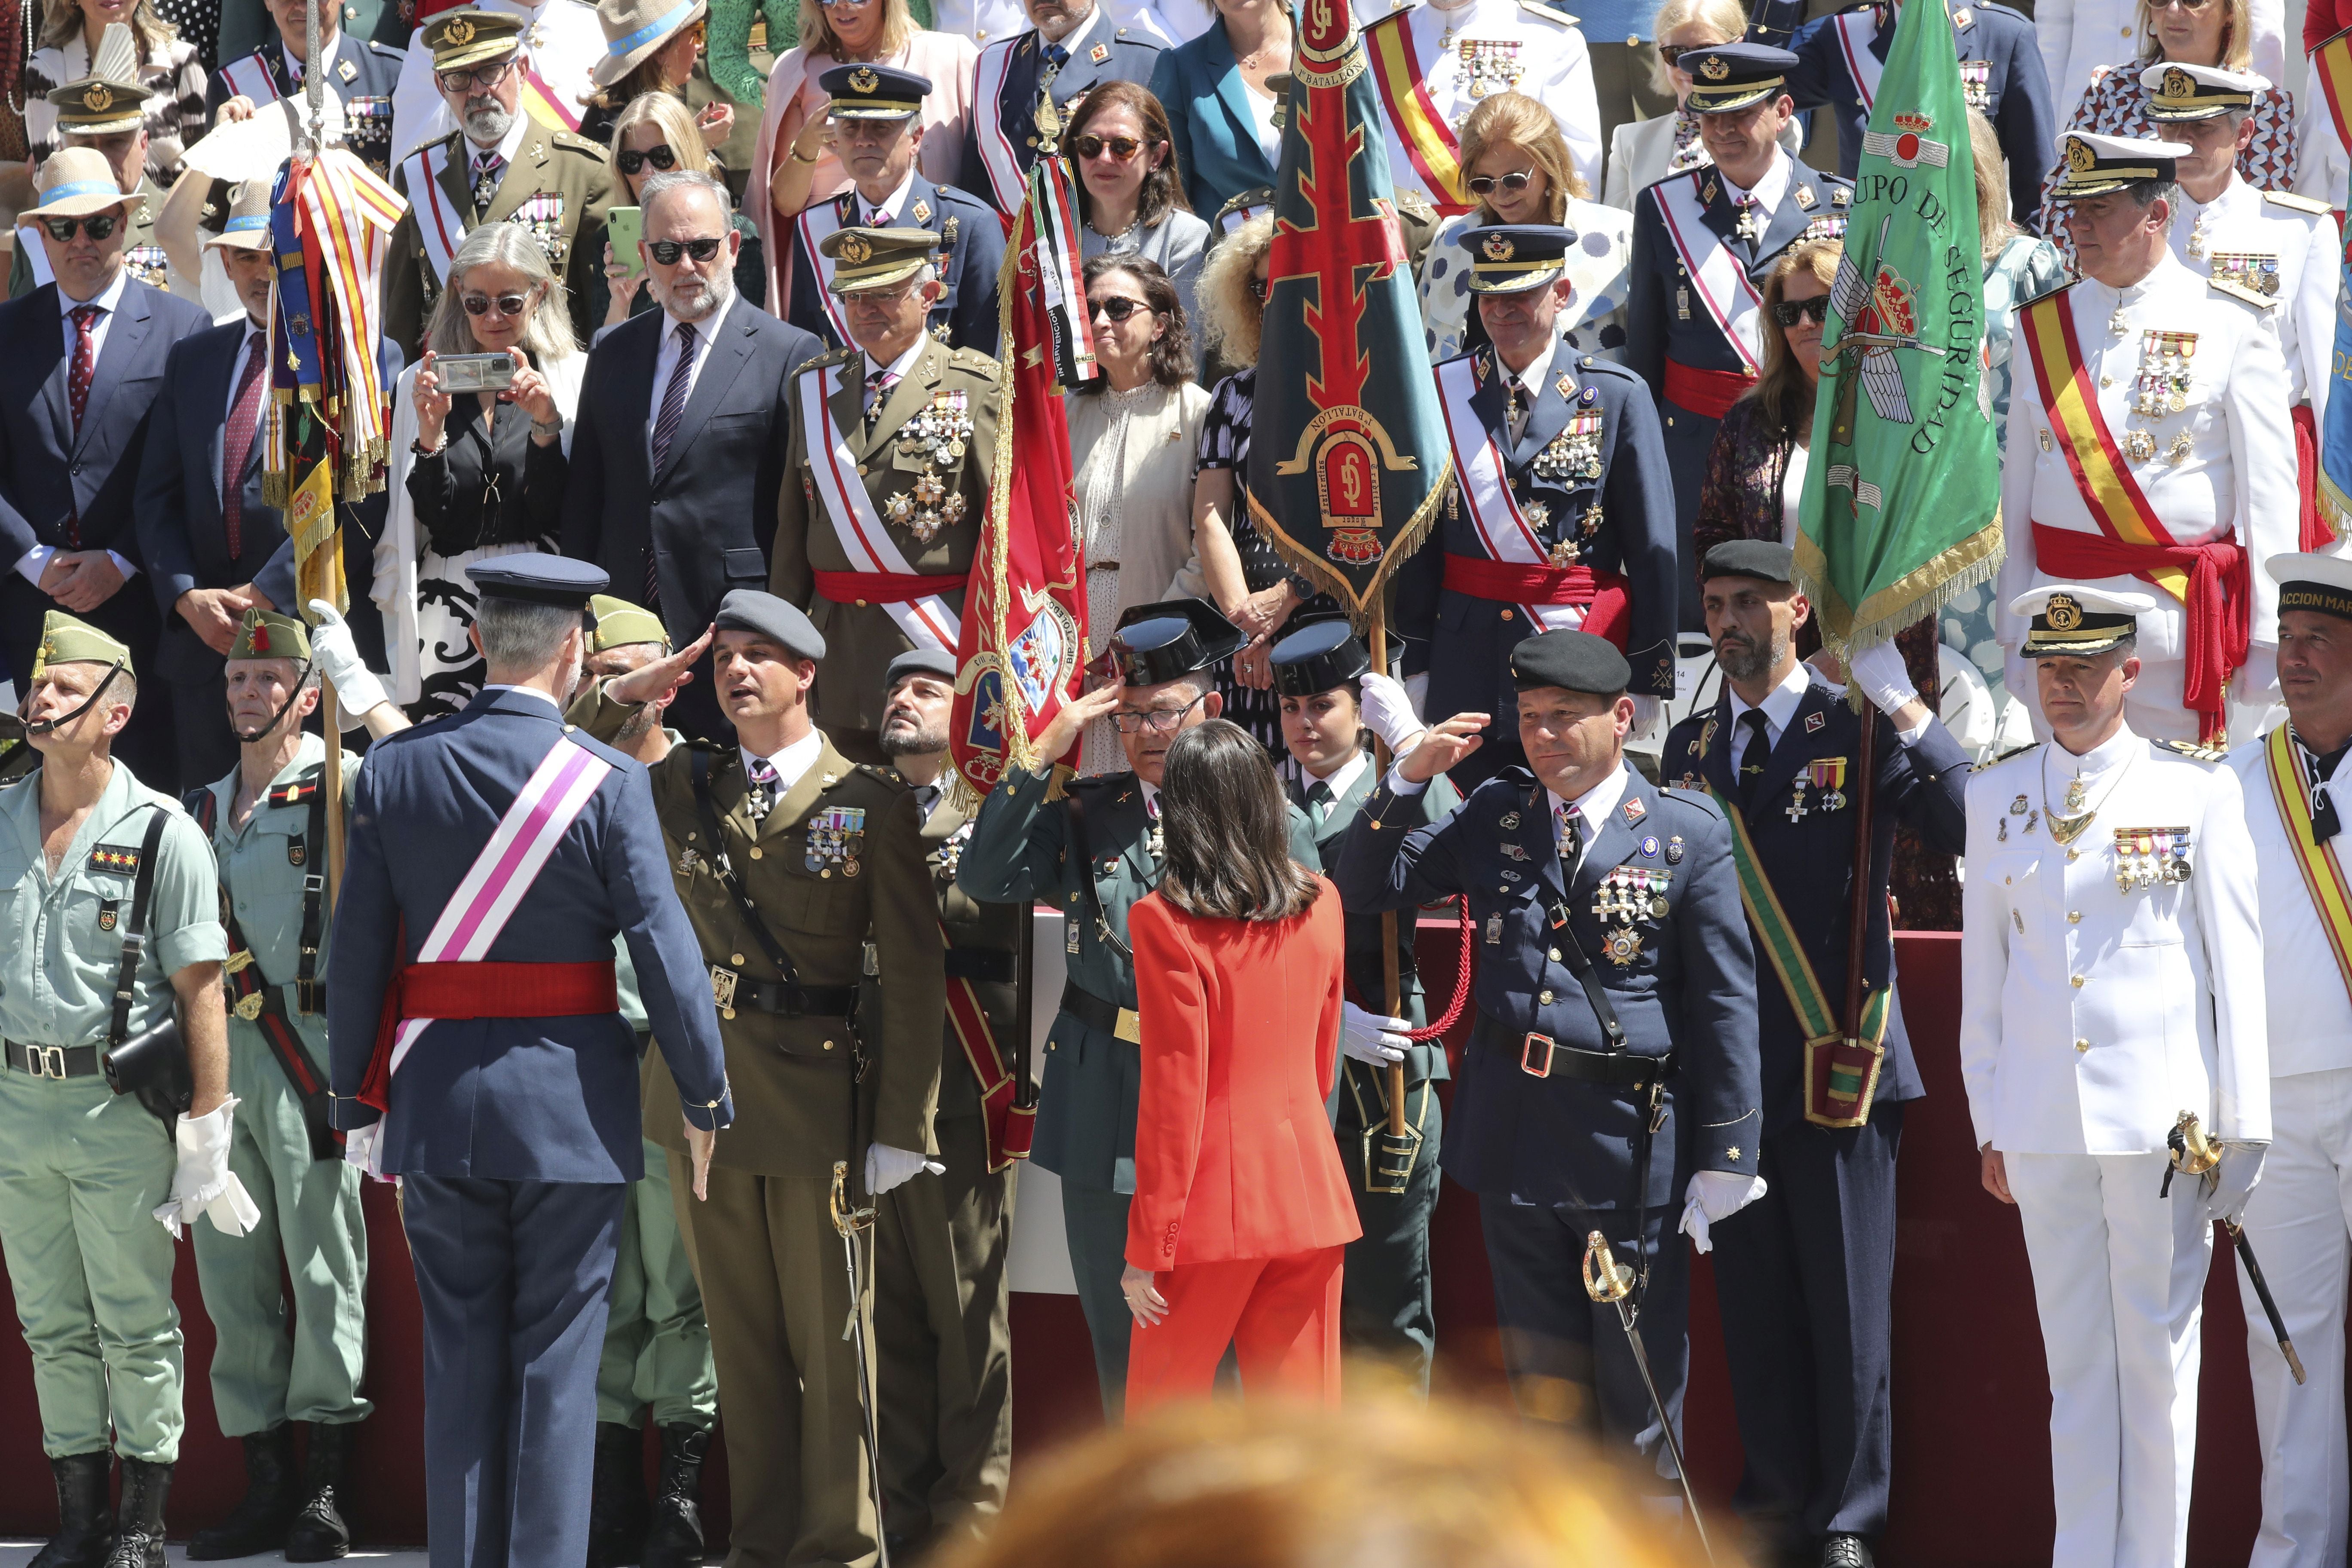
[2068,829]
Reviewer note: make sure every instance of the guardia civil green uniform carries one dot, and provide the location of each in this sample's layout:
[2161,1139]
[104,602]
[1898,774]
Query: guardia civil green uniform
[81,1170]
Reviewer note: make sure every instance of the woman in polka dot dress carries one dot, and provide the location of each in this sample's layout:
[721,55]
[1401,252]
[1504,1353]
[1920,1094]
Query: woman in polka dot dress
[1513,142]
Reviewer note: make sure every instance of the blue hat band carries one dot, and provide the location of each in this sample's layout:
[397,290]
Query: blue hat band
[74,188]
[667,20]
[246,223]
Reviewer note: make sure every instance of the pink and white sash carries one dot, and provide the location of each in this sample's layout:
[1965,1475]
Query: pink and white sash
[250,78]
[1715,275]
[928,622]
[438,224]
[1007,180]
[1478,464]
[1855,31]
[494,886]
[817,222]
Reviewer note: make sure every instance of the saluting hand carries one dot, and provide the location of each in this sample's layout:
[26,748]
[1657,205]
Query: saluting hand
[1072,720]
[1442,746]
[659,681]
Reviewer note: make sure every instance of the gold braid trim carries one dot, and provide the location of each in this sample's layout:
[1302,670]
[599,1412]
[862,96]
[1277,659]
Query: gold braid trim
[1410,538]
[1919,593]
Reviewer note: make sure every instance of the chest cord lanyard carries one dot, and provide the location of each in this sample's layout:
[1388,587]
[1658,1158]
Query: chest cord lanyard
[174,1090]
[251,995]
[1085,852]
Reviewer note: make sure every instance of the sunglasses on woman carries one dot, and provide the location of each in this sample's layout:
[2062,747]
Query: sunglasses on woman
[1670,53]
[1515,182]
[668,251]
[1789,312]
[98,226]
[660,157]
[1116,307]
[1123,148]
[508,305]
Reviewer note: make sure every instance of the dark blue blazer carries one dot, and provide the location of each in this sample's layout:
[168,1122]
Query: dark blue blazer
[180,535]
[972,247]
[524,1099]
[1635,536]
[708,517]
[1217,150]
[1690,989]
[1122,59]
[1810,861]
[374,71]
[2001,64]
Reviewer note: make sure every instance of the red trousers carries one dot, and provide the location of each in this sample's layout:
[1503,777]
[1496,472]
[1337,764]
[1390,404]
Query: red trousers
[1281,1315]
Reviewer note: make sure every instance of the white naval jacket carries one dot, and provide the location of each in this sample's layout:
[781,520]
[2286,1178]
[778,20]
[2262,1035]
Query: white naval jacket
[2078,36]
[2236,476]
[2310,1010]
[2092,1018]
[1553,67]
[2296,234]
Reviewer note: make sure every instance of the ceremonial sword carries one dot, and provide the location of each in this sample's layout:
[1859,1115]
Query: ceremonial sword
[1606,1279]
[2193,1154]
[847,1222]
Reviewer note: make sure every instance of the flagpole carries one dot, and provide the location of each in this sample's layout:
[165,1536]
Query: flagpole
[309,141]
[1864,797]
[1391,983]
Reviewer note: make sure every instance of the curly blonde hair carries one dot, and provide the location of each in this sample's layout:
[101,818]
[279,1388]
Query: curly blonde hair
[1232,316]
[1514,120]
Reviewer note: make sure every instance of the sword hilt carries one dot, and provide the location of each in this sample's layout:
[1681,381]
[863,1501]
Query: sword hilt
[847,1219]
[1605,1278]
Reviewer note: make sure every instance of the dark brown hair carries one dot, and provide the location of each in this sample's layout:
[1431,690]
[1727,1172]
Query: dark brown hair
[1171,355]
[1228,830]
[1163,188]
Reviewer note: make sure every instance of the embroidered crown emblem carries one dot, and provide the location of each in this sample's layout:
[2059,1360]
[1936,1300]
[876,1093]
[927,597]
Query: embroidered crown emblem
[863,79]
[1913,122]
[2079,156]
[99,99]
[2064,614]
[1498,248]
[1715,68]
[856,251]
[2177,85]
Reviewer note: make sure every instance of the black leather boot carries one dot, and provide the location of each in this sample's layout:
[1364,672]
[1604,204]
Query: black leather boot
[258,1524]
[616,1508]
[674,1538]
[138,1523]
[319,1533]
[85,1529]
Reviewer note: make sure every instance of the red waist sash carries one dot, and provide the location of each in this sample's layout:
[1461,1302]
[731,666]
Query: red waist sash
[1707,392]
[886,587]
[1606,596]
[484,990]
[2219,593]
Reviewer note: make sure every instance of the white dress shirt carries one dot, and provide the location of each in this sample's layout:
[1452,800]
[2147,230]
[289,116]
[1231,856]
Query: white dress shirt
[870,213]
[706,332]
[254,344]
[1592,808]
[792,762]
[1342,779]
[1770,191]
[1780,706]
[902,367]
[34,562]
[546,696]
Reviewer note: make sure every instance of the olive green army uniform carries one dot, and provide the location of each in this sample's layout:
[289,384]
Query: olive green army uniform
[924,460]
[773,1285]
[941,1292]
[558,187]
[263,1375]
[83,1170]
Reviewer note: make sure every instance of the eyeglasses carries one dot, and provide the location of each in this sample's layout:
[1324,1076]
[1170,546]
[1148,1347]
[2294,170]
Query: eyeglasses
[504,304]
[877,299]
[1117,308]
[1158,720]
[1258,287]
[2154,5]
[844,5]
[1670,53]
[668,251]
[98,226]
[1515,182]
[1123,148]
[660,157]
[1789,312]
[483,77]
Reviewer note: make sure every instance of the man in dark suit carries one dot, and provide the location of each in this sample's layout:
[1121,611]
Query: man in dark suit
[1595,1060]
[513,1120]
[360,72]
[85,356]
[677,449]
[1806,1277]
[1024,86]
[877,132]
[214,550]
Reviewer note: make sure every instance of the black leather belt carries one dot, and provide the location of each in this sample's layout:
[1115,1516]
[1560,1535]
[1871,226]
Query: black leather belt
[983,963]
[1096,1014]
[52,1061]
[789,1001]
[1542,1058]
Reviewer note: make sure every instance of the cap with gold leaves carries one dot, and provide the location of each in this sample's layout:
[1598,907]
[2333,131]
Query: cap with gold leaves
[872,257]
[95,107]
[2090,164]
[875,92]
[471,37]
[619,624]
[1730,77]
[65,640]
[1508,257]
[2070,621]
[2177,93]
[265,633]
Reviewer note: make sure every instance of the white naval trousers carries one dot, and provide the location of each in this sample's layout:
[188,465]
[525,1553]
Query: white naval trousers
[2119,1281]
[2300,1221]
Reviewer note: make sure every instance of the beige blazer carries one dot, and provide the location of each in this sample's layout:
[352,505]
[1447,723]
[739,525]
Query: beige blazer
[1156,557]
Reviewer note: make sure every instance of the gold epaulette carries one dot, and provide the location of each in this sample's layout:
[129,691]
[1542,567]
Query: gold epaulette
[2195,749]
[2240,293]
[2295,203]
[829,359]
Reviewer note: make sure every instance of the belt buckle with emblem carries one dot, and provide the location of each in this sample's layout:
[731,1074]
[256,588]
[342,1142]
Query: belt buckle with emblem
[722,989]
[248,1006]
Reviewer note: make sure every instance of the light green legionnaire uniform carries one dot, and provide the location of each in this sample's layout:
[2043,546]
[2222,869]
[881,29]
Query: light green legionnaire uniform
[271,874]
[82,1171]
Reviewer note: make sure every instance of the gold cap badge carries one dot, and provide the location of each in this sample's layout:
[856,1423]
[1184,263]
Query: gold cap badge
[99,99]
[856,250]
[1715,68]
[460,32]
[2079,156]
[2062,613]
[1498,248]
[863,79]
[2177,85]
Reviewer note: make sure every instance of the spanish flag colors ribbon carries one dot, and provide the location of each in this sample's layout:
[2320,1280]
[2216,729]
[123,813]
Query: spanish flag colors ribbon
[1420,133]
[2323,874]
[2331,71]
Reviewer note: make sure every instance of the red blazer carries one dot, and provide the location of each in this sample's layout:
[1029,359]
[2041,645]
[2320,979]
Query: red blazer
[1234,1156]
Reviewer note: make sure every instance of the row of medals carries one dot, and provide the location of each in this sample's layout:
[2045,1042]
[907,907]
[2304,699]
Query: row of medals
[940,435]
[1627,895]
[2161,390]
[2145,857]
[1570,458]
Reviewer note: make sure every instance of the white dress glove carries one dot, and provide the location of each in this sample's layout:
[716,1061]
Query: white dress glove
[203,1184]
[1390,713]
[1369,1037]
[1647,711]
[1416,689]
[1881,673]
[887,1167]
[360,1149]
[1712,1197]
[357,687]
[2241,1168]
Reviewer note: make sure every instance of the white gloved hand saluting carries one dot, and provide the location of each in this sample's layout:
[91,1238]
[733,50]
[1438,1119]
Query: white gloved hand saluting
[203,1184]
[1712,1197]
[357,687]
[1390,713]
[887,1167]
[1880,672]
[1369,1037]
[2241,1168]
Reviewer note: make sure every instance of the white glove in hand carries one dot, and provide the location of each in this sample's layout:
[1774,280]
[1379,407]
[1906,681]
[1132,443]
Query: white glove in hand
[1879,671]
[887,1167]
[203,1184]
[1369,1037]
[1647,709]
[1389,714]
[2240,1169]
[357,689]
[360,1149]
[1416,689]
[1714,1196]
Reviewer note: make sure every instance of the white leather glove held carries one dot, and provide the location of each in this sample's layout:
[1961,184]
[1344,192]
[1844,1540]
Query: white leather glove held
[2240,1169]
[887,1167]
[1713,1197]
[357,689]
[1879,671]
[1389,714]
[203,1184]
[1370,1037]
[360,1149]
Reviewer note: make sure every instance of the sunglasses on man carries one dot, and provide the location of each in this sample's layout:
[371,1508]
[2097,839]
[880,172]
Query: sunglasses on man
[668,251]
[98,226]
[660,157]
[1789,312]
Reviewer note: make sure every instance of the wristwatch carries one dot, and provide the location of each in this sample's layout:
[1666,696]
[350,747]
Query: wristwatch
[1301,584]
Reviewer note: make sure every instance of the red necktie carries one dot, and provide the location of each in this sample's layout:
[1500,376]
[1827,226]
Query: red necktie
[237,444]
[78,380]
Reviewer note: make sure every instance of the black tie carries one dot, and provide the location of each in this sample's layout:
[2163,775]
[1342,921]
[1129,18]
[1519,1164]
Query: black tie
[1753,757]
[2325,824]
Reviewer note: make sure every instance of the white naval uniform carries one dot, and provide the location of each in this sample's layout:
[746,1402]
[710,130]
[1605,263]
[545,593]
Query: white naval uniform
[1554,68]
[2237,477]
[2297,233]
[565,41]
[2300,1215]
[2090,1020]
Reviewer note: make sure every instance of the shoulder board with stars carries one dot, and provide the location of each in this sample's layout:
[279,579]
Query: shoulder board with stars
[886,776]
[977,362]
[579,143]
[2195,749]
[1416,204]
[1549,13]
[2018,752]
[829,358]
[2240,293]
[121,859]
[2295,203]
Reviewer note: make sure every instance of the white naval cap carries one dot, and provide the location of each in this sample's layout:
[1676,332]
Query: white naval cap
[2069,619]
[2178,90]
[2091,165]
[2318,583]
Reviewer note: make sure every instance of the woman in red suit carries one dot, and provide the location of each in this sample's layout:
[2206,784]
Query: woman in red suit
[1241,1212]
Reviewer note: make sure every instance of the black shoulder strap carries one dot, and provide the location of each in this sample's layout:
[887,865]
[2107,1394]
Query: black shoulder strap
[724,869]
[1580,964]
[1076,799]
[134,934]
[310,991]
